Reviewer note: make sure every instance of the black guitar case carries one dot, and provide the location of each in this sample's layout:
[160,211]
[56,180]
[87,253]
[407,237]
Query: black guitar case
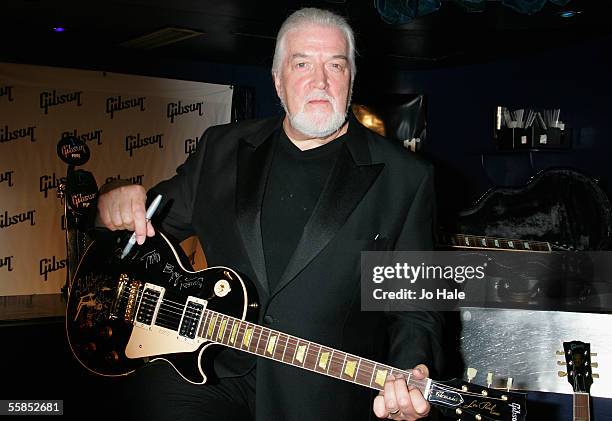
[561,206]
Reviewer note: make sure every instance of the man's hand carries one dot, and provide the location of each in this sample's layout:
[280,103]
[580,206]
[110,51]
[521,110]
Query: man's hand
[124,208]
[401,402]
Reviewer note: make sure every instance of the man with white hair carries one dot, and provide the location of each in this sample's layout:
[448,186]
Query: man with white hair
[290,203]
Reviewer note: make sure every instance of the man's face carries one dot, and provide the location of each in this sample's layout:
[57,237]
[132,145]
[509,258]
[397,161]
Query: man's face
[314,79]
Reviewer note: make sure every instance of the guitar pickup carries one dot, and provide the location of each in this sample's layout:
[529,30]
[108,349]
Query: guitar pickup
[191,318]
[149,304]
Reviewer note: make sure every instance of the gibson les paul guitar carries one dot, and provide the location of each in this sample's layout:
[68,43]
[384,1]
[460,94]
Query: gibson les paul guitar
[123,313]
[580,376]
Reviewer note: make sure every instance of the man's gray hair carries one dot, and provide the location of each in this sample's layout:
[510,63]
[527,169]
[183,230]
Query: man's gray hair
[313,16]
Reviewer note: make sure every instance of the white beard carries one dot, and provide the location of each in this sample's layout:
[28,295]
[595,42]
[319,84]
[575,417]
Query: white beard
[317,124]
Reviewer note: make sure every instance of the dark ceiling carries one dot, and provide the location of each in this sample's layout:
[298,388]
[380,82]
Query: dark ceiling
[243,31]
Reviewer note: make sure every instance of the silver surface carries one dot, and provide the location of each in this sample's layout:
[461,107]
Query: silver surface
[522,344]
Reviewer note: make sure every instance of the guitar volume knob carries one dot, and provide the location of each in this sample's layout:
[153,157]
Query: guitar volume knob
[112,357]
[90,347]
[106,332]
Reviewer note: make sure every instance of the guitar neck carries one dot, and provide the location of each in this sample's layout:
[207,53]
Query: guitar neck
[582,410]
[288,349]
[492,243]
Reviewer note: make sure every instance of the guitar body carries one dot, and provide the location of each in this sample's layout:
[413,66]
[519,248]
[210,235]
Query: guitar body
[110,332]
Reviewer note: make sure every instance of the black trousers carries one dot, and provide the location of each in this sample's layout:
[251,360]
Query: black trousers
[158,392]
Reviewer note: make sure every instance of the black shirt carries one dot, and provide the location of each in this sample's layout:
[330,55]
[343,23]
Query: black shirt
[295,182]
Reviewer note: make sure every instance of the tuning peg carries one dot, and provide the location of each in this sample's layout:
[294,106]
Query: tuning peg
[471,373]
[595,375]
[594,365]
[509,383]
[561,373]
[562,362]
[560,353]
[593,354]
[489,379]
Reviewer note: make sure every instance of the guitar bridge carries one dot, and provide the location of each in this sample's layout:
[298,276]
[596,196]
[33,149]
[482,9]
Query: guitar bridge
[125,302]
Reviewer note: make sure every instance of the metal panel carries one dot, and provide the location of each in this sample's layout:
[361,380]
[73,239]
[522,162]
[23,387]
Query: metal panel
[522,344]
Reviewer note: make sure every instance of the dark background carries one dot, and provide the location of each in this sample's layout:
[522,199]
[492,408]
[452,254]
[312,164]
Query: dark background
[465,64]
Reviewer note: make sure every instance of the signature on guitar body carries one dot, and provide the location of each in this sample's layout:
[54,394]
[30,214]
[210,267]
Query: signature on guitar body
[151,306]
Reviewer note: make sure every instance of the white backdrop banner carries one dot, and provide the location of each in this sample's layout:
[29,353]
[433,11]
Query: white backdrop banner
[137,128]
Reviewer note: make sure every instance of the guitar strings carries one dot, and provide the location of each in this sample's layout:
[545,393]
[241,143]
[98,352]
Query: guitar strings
[290,346]
[292,343]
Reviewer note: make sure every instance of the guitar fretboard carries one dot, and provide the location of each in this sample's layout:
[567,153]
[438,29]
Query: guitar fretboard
[492,243]
[582,411]
[288,349]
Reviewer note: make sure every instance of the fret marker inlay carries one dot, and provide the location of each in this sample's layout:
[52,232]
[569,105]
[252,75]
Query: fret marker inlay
[246,339]
[323,359]
[211,326]
[300,353]
[349,369]
[271,343]
[234,332]
[381,376]
[222,329]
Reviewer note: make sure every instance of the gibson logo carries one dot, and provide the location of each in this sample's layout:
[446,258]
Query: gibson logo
[7,135]
[7,262]
[115,103]
[7,91]
[81,200]
[7,220]
[516,411]
[7,176]
[137,179]
[191,145]
[68,150]
[48,182]
[51,99]
[51,265]
[93,136]
[137,142]
[174,109]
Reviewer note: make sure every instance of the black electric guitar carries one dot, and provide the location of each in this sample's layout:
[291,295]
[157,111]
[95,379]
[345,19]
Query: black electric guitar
[122,314]
[580,376]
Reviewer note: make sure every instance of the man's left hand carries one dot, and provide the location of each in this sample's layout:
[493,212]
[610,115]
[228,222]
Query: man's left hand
[401,402]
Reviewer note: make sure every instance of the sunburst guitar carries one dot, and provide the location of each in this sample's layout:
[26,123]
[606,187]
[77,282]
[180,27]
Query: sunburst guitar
[124,313]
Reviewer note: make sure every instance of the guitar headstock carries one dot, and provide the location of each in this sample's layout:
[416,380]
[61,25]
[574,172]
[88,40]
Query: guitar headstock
[468,401]
[579,366]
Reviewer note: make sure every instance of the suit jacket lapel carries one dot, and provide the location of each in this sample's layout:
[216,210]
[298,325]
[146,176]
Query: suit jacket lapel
[351,178]
[254,158]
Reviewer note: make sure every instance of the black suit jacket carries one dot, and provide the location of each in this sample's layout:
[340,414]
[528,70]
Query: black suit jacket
[379,197]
